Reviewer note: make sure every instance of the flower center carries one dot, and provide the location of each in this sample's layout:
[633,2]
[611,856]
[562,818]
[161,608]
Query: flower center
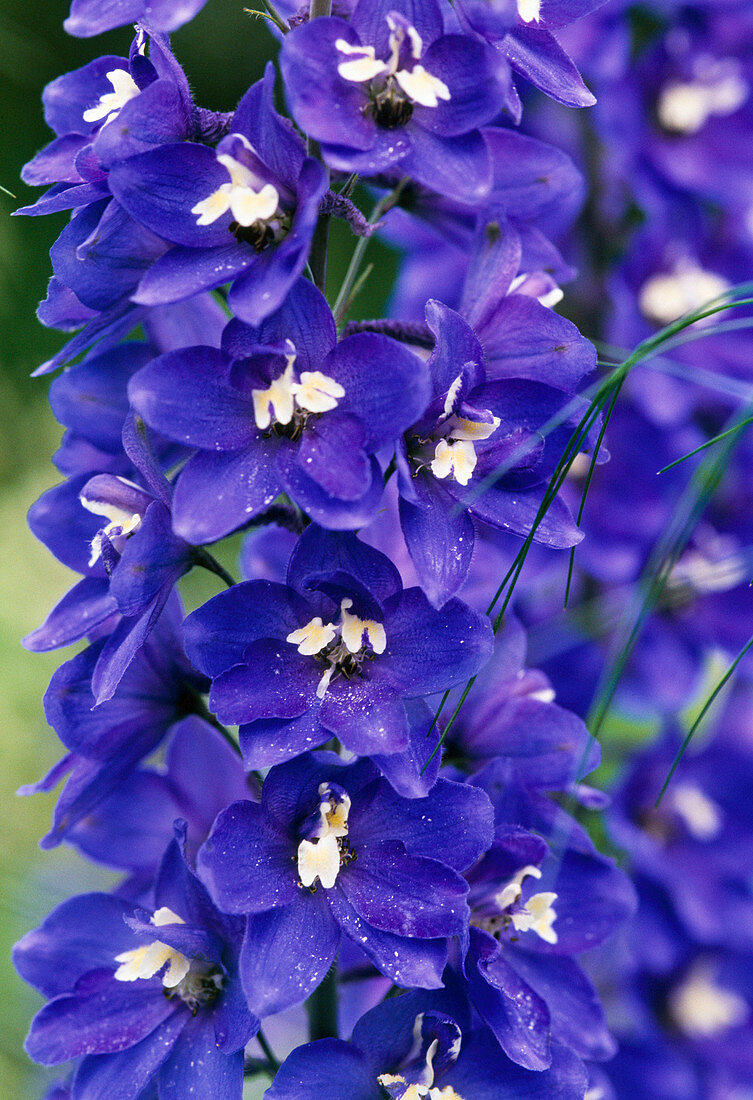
[123,518]
[196,983]
[529,10]
[436,1046]
[449,451]
[111,103]
[253,201]
[666,296]
[701,1008]
[326,849]
[399,83]
[684,107]
[343,646]
[535,915]
[287,403]
[701,816]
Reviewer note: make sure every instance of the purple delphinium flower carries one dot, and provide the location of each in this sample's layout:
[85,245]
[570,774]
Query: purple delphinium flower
[107,742]
[532,912]
[536,192]
[148,1001]
[522,31]
[283,408]
[332,849]
[702,832]
[476,453]
[338,651]
[421,1044]
[129,830]
[89,17]
[243,214]
[106,111]
[511,716]
[389,90]
[103,113]
[135,560]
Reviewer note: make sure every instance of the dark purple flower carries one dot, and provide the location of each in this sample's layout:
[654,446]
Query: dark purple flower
[532,912]
[333,849]
[145,1000]
[389,90]
[421,1044]
[243,214]
[522,31]
[283,409]
[338,651]
[478,452]
[107,742]
[129,829]
[134,564]
[89,17]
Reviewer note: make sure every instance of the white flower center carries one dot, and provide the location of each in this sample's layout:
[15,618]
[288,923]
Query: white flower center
[455,454]
[356,638]
[701,1008]
[144,962]
[314,393]
[529,10]
[247,197]
[393,1081]
[703,574]
[666,296]
[122,521]
[684,107]
[702,817]
[537,914]
[418,85]
[321,857]
[111,103]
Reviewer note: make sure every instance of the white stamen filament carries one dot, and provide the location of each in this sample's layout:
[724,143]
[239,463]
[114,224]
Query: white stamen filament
[538,916]
[120,519]
[319,859]
[455,459]
[363,65]
[313,637]
[314,393]
[353,630]
[111,103]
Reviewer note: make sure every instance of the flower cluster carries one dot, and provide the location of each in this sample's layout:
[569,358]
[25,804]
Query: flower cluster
[414,867]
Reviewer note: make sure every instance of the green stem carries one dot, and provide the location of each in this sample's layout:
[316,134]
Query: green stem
[204,559]
[268,1052]
[345,296]
[203,711]
[322,1009]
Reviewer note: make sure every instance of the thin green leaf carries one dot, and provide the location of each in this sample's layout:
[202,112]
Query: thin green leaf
[702,714]
[708,443]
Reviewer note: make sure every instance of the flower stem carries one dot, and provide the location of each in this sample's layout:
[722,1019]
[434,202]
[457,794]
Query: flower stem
[322,1009]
